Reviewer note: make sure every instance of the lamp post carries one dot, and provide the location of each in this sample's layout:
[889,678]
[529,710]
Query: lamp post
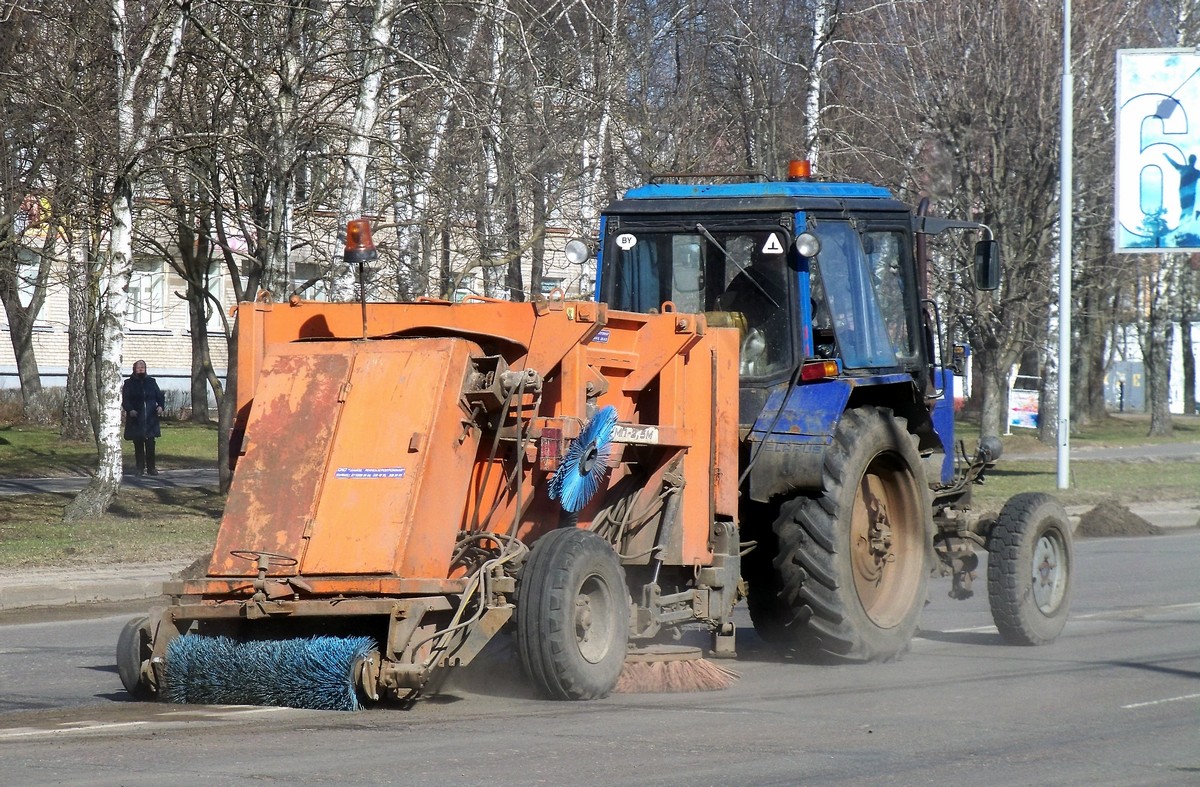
[1064,259]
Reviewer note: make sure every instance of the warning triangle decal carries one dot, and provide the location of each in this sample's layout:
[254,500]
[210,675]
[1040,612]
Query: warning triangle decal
[772,246]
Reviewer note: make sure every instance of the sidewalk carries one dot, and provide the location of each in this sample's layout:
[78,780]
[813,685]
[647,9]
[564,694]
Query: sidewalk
[204,476]
[63,586]
[53,587]
[47,587]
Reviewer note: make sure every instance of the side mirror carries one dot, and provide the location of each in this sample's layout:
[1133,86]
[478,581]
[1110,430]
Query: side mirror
[987,265]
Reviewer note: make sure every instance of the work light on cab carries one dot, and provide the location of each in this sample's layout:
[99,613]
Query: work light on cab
[799,169]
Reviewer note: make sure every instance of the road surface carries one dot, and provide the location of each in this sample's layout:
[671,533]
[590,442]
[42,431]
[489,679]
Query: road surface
[1114,701]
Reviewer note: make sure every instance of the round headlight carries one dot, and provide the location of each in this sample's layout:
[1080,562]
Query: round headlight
[577,252]
[808,244]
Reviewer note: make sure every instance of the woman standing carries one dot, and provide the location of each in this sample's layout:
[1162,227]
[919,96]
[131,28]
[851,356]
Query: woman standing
[142,401]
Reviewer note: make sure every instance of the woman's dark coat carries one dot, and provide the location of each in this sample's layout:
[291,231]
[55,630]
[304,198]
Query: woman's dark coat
[143,395]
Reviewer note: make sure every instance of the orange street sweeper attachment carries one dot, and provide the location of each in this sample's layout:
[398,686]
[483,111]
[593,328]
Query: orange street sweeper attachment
[412,478]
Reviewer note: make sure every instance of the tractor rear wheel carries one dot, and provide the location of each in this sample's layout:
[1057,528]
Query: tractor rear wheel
[853,563]
[572,615]
[133,649]
[1029,569]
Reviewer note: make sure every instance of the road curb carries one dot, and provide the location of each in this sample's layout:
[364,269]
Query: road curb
[56,587]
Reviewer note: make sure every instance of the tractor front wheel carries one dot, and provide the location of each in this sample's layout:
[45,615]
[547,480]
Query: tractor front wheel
[572,615]
[1029,569]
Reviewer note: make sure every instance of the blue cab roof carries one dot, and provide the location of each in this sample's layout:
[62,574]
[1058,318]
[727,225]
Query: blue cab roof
[803,189]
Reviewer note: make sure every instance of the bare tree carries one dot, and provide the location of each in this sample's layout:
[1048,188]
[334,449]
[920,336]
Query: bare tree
[28,225]
[361,131]
[138,45]
[974,126]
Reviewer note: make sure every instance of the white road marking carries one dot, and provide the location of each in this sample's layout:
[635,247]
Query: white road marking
[1161,702]
[211,712]
[82,726]
[1138,611]
[969,630]
[222,710]
[1115,614]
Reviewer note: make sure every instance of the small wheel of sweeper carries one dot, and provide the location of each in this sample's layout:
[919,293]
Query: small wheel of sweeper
[572,615]
[1029,569]
[133,650]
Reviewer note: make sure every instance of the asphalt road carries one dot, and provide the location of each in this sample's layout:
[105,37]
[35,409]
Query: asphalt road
[1115,701]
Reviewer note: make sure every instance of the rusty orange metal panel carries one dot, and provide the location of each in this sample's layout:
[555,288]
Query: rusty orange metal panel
[275,489]
[397,480]
[725,343]
[549,329]
[709,404]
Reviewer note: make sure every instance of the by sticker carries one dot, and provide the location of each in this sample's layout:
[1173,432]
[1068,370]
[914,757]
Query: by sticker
[626,241]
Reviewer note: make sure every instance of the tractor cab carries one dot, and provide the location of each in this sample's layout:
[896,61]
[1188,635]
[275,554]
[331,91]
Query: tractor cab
[826,285]
[808,272]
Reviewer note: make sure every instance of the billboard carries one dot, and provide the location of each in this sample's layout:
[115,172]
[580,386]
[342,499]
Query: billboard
[1158,150]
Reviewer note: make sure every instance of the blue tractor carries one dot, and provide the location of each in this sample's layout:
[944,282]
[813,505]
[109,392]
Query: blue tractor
[853,489]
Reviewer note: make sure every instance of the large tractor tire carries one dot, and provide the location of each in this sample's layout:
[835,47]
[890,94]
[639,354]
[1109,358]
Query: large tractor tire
[852,564]
[1029,569]
[572,615]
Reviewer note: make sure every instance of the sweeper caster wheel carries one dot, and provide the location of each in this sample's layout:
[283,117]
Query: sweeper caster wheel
[1029,569]
[572,615]
[133,651]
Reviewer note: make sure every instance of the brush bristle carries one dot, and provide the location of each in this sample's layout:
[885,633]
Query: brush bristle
[314,672]
[571,485]
[663,677]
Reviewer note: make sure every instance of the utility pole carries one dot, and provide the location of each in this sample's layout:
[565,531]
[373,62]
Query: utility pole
[1066,151]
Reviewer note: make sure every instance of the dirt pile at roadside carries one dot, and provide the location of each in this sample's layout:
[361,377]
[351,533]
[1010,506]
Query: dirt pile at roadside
[1110,518]
[198,569]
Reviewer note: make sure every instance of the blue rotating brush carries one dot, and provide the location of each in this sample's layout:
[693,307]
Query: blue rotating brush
[582,469]
[313,672]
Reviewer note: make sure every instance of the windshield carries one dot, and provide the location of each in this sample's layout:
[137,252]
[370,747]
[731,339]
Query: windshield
[738,277]
[861,294]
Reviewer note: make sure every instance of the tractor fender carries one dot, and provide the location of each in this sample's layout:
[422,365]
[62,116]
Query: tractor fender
[788,440]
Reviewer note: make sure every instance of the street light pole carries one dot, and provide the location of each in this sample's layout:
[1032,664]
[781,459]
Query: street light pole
[1064,257]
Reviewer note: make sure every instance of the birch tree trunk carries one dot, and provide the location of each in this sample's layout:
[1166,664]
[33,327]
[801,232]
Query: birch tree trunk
[133,129]
[1189,297]
[410,210]
[354,169]
[822,24]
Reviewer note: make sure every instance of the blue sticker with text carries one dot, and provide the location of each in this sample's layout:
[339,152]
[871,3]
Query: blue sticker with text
[370,472]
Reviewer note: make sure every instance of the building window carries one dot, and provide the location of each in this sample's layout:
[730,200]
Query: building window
[147,285]
[310,282]
[214,283]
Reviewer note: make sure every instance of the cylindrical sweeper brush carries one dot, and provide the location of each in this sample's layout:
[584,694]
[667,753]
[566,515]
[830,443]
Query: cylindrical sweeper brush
[312,672]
